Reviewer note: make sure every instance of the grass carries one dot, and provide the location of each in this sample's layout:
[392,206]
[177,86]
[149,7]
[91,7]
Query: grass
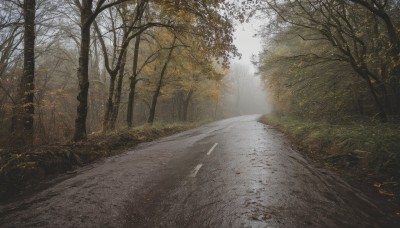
[20,170]
[359,149]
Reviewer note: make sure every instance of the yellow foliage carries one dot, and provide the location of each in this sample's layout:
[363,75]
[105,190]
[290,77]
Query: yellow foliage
[215,94]
[56,92]
[148,69]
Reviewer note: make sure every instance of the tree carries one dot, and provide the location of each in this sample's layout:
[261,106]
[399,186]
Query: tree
[133,81]
[160,82]
[25,110]
[132,27]
[203,19]
[10,39]
[302,83]
[64,41]
[133,78]
[193,76]
[355,33]
[386,10]
[87,17]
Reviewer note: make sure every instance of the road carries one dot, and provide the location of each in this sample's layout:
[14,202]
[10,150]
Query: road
[231,173]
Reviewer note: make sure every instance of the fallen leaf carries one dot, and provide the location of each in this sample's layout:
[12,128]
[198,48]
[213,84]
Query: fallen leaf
[377,185]
[383,192]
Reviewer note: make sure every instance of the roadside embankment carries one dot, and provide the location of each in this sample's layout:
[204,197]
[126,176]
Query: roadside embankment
[367,153]
[23,170]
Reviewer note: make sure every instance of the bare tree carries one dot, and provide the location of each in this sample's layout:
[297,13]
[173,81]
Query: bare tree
[130,29]
[87,17]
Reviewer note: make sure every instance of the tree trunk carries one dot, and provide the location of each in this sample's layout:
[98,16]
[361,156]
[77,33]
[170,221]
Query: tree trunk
[114,93]
[382,112]
[109,105]
[159,85]
[180,106]
[395,92]
[216,109]
[83,72]
[24,113]
[133,81]
[186,105]
[118,91]
[362,71]
[394,50]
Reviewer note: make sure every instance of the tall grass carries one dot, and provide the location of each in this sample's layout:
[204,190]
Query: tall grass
[376,145]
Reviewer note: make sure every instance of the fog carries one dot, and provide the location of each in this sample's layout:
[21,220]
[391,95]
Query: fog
[248,93]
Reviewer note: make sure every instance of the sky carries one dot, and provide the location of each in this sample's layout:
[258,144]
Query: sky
[253,97]
[246,42]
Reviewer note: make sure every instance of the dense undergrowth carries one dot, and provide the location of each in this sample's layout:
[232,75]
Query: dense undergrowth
[365,150]
[22,169]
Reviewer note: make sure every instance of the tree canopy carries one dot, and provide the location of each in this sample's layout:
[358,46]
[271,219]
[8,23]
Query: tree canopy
[341,49]
[118,48]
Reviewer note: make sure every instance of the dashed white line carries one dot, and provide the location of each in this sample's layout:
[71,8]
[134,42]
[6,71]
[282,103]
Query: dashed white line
[212,148]
[195,170]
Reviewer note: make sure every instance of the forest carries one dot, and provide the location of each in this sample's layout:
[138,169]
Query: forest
[71,68]
[332,72]
[73,71]
[333,60]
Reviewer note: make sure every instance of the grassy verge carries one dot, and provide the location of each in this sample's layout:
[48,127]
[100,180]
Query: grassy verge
[367,152]
[20,170]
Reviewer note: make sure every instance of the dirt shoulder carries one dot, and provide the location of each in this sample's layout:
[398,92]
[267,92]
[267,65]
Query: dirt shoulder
[23,172]
[366,155]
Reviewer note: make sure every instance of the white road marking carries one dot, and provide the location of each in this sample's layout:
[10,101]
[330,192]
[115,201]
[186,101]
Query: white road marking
[195,170]
[212,148]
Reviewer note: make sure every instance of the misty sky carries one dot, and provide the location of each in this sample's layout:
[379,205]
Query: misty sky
[253,98]
[245,41]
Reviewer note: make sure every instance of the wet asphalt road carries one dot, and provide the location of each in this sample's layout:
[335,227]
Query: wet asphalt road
[231,173]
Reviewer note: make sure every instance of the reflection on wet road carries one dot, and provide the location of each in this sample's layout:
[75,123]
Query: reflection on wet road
[232,173]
